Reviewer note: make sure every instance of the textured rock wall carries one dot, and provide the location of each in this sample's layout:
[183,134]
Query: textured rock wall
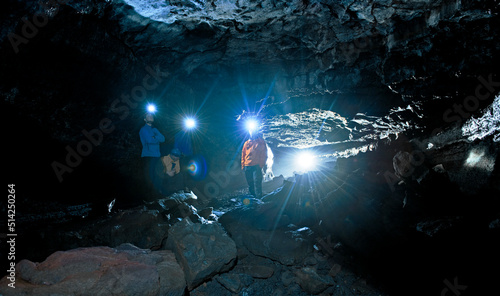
[67,66]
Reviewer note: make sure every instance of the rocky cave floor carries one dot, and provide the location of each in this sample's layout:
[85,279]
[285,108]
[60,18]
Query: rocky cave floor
[350,229]
[314,265]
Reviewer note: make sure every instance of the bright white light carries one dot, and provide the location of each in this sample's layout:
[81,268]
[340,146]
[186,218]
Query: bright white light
[252,125]
[189,123]
[478,159]
[305,161]
[474,158]
[151,108]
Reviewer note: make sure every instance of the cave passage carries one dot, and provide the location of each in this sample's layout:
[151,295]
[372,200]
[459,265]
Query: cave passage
[138,133]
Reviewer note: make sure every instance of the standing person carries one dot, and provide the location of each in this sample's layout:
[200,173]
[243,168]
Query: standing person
[253,160]
[151,139]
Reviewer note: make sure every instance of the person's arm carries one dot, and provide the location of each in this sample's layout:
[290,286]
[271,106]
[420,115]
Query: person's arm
[243,153]
[167,163]
[148,137]
[177,166]
[164,163]
[158,136]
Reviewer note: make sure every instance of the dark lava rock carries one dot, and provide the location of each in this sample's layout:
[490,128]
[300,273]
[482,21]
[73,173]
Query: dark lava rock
[231,282]
[258,229]
[311,282]
[125,270]
[202,250]
[142,227]
[206,212]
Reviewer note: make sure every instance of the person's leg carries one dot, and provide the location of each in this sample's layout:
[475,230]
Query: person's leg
[250,180]
[145,162]
[258,181]
[177,182]
[168,185]
[148,164]
[156,171]
[186,178]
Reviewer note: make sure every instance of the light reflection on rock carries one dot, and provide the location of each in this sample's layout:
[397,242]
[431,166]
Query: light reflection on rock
[334,135]
[486,125]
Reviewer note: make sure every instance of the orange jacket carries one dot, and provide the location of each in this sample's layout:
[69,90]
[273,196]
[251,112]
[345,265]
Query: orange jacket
[170,165]
[254,153]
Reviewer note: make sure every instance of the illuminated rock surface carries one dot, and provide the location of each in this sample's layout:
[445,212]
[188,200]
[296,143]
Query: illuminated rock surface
[203,250]
[125,270]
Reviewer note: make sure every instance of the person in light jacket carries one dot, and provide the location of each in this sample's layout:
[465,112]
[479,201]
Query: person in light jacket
[253,160]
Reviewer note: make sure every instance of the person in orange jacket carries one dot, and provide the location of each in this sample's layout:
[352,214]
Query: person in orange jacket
[253,160]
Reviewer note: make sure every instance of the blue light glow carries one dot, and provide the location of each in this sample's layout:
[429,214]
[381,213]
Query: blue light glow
[252,125]
[151,108]
[189,123]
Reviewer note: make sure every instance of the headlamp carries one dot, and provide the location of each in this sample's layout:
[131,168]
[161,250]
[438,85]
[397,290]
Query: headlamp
[151,108]
[189,123]
[252,125]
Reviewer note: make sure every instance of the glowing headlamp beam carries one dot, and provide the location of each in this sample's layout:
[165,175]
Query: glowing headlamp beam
[151,108]
[251,125]
[189,123]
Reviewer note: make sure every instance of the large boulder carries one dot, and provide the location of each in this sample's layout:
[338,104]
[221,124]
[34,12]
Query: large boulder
[142,227]
[311,281]
[402,164]
[125,270]
[202,250]
[269,229]
[287,246]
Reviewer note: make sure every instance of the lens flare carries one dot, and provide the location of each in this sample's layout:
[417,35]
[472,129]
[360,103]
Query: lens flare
[252,125]
[189,123]
[151,108]
[305,161]
[197,168]
[192,168]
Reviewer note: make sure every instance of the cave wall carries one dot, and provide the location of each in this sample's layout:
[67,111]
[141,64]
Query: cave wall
[70,67]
